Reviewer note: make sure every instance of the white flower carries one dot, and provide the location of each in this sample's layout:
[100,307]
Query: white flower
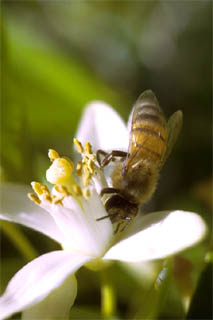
[46,287]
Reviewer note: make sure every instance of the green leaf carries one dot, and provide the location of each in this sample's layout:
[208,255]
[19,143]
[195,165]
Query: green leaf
[201,305]
[19,240]
[54,87]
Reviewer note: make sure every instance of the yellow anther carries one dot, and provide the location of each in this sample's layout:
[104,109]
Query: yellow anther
[79,146]
[86,193]
[86,178]
[52,154]
[85,160]
[78,169]
[88,162]
[34,198]
[60,172]
[36,188]
[39,188]
[61,189]
[44,188]
[58,201]
[87,169]
[88,147]
[47,198]
[90,166]
[77,190]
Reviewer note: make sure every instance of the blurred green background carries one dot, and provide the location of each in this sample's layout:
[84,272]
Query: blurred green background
[58,56]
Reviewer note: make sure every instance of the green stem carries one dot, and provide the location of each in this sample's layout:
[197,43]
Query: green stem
[19,240]
[108,298]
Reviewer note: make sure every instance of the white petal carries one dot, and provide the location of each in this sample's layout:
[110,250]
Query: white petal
[16,207]
[103,127]
[37,279]
[56,305]
[162,235]
[83,233]
[102,230]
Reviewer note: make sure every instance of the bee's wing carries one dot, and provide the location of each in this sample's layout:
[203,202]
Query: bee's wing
[174,125]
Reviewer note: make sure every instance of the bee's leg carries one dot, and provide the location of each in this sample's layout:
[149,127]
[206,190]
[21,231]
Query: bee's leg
[111,216]
[108,205]
[125,225]
[127,219]
[98,155]
[109,156]
[118,227]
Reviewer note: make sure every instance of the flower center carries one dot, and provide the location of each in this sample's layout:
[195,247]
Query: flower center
[60,174]
[74,203]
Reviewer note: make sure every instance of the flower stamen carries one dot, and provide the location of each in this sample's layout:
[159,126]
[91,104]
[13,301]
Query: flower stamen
[86,168]
[58,201]
[47,198]
[78,169]
[86,193]
[52,154]
[78,145]
[77,190]
[60,174]
[40,188]
[33,197]
[88,148]
[62,189]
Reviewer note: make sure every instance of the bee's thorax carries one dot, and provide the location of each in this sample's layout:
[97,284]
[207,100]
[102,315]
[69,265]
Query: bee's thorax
[136,184]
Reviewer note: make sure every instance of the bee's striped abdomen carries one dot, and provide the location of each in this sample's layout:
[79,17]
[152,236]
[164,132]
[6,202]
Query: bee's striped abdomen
[148,132]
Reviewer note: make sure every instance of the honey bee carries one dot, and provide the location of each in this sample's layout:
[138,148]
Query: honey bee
[135,175]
